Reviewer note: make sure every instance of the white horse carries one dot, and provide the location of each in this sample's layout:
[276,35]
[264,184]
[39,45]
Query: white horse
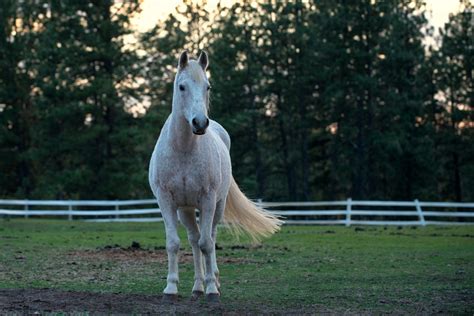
[190,169]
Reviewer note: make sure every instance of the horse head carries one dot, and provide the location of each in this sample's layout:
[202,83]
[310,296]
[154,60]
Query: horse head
[191,92]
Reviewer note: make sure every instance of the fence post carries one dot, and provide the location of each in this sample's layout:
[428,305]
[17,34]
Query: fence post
[70,211]
[348,212]
[420,213]
[26,208]
[117,209]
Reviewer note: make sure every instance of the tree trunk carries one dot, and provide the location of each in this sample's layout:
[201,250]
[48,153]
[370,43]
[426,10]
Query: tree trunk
[286,161]
[258,166]
[457,177]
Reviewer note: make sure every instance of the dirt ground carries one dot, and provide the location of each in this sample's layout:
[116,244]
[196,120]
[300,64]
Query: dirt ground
[40,301]
[33,301]
[136,253]
[28,301]
[391,271]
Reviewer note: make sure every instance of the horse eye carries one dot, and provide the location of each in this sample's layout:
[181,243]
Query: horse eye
[208,88]
[181,87]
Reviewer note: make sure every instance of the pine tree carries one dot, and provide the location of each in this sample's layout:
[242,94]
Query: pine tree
[18,37]
[86,135]
[453,74]
[374,51]
[235,101]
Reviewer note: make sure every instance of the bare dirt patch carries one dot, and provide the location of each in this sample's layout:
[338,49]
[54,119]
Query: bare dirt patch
[136,253]
[33,301]
[28,301]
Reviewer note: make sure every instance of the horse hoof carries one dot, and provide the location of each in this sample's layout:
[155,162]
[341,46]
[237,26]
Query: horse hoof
[213,298]
[196,295]
[170,298]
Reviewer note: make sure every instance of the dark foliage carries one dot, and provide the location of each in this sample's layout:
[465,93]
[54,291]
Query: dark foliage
[323,100]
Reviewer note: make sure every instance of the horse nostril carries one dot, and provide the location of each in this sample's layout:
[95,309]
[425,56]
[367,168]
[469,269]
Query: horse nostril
[207,122]
[194,122]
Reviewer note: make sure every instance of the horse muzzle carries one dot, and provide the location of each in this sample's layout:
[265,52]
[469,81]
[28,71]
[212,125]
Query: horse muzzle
[200,125]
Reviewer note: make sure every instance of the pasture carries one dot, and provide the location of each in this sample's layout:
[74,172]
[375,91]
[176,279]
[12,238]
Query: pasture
[54,265]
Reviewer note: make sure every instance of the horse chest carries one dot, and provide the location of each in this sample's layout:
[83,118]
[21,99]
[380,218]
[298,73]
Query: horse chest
[187,181]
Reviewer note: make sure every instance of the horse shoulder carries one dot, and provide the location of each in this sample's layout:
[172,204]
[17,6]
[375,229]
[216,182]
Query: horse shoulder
[221,132]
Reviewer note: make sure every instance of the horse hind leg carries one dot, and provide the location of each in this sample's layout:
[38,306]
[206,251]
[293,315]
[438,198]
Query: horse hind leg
[219,214]
[188,218]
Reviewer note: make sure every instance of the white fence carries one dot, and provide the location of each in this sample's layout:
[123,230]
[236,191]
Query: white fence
[347,212]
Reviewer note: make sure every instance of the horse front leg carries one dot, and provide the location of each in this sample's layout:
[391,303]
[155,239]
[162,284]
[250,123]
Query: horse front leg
[170,217]
[207,245]
[188,218]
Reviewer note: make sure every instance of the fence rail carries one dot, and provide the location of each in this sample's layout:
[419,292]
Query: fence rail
[347,212]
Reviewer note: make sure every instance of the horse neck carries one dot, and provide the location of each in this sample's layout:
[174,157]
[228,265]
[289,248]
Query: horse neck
[182,135]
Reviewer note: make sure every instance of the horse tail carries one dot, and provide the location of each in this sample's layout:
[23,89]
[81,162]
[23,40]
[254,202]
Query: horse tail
[242,215]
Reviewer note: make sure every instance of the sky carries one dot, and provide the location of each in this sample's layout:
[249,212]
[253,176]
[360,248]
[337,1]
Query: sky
[153,10]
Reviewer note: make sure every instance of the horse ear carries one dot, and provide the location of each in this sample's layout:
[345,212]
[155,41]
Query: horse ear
[183,60]
[203,60]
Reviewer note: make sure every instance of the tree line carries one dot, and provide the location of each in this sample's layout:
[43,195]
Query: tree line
[322,99]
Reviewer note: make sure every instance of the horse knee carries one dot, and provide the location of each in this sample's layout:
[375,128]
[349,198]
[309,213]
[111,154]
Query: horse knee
[172,245]
[193,238]
[206,245]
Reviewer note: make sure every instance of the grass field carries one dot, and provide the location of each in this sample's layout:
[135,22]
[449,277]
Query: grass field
[304,269]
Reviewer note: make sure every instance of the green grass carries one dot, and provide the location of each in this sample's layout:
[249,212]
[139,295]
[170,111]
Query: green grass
[336,269]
